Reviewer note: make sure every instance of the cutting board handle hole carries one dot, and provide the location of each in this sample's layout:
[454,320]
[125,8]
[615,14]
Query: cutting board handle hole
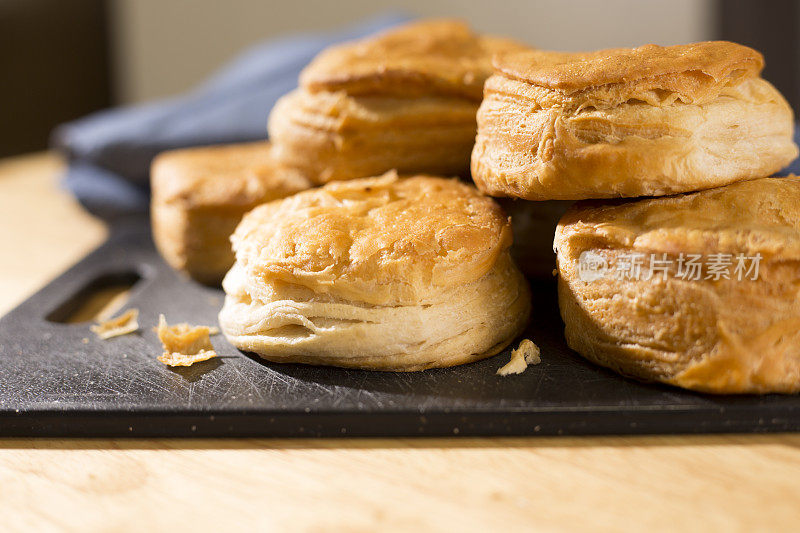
[100,299]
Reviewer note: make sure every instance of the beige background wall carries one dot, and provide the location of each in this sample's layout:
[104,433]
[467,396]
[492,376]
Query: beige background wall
[166,46]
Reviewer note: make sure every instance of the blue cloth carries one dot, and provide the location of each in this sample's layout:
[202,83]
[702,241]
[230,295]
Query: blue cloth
[794,167]
[109,152]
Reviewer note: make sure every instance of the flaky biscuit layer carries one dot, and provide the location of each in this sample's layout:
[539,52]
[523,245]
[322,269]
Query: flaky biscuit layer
[334,136]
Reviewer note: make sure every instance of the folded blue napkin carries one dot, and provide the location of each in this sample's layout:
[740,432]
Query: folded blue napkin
[109,152]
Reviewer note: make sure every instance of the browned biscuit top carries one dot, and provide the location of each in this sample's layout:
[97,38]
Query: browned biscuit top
[223,176]
[760,216]
[384,238]
[432,57]
[687,64]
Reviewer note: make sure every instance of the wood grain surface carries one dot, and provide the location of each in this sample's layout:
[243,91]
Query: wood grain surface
[670,483]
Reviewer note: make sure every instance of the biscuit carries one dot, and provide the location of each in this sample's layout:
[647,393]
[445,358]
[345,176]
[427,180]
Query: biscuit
[646,121]
[405,100]
[199,195]
[729,325]
[381,273]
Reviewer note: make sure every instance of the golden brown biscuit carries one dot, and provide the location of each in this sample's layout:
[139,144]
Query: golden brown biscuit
[699,290]
[646,121]
[405,100]
[378,273]
[199,196]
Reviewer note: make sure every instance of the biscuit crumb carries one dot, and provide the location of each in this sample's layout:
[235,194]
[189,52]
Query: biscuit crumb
[527,353]
[124,324]
[185,345]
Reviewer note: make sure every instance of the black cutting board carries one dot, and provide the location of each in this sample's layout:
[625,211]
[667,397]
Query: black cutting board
[59,380]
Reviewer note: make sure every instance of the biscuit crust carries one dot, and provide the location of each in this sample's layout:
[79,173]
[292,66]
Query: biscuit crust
[382,273]
[712,335]
[436,57]
[647,121]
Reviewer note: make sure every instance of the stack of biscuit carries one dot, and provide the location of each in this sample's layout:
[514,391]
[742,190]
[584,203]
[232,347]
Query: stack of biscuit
[403,100]
[412,270]
[696,290]
[384,273]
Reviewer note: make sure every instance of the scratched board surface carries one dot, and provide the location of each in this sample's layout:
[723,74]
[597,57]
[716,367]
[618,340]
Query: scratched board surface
[59,379]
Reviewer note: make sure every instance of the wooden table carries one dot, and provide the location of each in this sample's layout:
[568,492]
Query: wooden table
[730,483]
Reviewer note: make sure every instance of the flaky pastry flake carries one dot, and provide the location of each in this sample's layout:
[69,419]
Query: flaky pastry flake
[123,324]
[185,345]
[527,353]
